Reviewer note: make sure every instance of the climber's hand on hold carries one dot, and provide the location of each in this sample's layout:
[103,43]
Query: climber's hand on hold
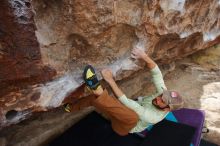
[138,53]
[107,75]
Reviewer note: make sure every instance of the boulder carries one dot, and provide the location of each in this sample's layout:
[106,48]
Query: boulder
[44,45]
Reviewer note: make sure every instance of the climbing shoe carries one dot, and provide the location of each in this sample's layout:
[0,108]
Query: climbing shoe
[90,78]
[67,107]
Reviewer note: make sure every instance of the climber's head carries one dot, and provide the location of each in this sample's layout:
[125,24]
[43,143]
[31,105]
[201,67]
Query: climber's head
[169,100]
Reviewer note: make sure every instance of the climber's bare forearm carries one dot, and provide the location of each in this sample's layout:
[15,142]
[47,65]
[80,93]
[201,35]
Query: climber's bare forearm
[141,54]
[150,63]
[115,88]
[108,77]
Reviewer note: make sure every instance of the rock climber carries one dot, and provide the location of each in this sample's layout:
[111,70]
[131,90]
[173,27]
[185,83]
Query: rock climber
[128,115]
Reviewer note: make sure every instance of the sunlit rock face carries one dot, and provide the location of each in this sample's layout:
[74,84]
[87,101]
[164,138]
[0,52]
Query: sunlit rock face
[44,45]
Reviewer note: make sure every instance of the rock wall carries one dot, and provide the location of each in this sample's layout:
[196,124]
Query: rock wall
[44,45]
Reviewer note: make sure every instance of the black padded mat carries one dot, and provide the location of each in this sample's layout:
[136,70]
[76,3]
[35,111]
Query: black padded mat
[167,133]
[94,130]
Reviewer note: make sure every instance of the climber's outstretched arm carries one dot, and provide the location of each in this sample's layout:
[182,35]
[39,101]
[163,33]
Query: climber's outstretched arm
[140,54]
[156,74]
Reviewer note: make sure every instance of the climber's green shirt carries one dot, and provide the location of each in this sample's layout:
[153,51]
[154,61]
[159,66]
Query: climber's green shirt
[147,112]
